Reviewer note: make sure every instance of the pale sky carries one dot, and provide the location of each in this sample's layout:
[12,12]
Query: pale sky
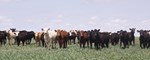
[107,15]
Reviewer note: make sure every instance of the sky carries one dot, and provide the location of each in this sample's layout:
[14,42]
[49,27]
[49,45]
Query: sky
[107,15]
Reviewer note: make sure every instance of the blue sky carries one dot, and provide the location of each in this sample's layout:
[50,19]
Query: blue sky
[107,15]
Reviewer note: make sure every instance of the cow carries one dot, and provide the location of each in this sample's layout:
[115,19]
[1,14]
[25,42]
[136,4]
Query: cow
[132,37]
[62,37]
[124,38]
[84,39]
[94,37]
[3,35]
[12,34]
[104,39]
[144,38]
[22,36]
[30,35]
[78,36]
[39,37]
[115,38]
[72,36]
[50,38]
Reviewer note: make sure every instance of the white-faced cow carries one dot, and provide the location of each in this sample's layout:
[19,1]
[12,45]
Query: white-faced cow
[49,37]
[12,34]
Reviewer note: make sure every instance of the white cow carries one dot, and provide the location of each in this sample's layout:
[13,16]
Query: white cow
[49,37]
[12,34]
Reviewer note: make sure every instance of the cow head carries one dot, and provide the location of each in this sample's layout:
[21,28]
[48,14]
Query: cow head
[13,29]
[45,30]
[140,31]
[132,30]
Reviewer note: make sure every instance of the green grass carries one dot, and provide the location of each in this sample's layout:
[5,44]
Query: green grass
[73,52]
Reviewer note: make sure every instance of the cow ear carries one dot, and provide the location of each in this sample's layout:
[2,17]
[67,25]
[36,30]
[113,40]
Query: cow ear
[55,30]
[138,31]
[48,28]
[98,29]
[129,28]
[42,29]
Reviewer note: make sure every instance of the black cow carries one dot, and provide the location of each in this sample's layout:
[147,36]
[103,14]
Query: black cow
[115,38]
[72,36]
[22,36]
[124,38]
[144,38]
[104,39]
[132,37]
[30,35]
[3,36]
[94,37]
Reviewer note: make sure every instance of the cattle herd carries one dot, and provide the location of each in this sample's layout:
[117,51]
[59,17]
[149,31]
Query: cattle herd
[91,38]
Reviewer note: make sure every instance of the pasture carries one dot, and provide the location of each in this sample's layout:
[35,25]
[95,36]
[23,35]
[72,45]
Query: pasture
[73,52]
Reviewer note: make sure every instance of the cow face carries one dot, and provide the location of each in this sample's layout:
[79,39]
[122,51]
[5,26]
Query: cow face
[132,30]
[45,30]
[141,32]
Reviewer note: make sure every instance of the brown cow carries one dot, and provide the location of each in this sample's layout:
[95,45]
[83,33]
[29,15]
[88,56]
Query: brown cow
[84,39]
[39,37]
[62,37]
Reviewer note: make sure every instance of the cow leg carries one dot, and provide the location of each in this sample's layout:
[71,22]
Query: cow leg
[141,44]
[91,45]
[23,41]
[66,42]
[1,42]
[124,45]
[52,44]
[107,44]
[30,41]
[80,44]
[9,42]
[74,41]
[120,43]
[84,44]
[43,43]
[87,43]
[60,44]
[133,41]
[18,43]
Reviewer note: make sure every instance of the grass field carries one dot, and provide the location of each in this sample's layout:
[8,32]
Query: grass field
[73,52]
